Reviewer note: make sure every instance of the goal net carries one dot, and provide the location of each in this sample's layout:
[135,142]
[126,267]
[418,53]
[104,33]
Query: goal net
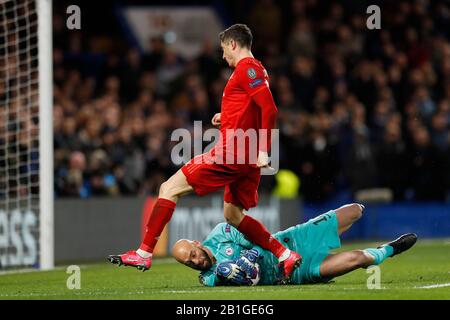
[26,181]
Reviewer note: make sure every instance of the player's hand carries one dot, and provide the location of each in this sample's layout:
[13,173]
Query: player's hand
[263,163]
[263,160]
[247,263]
[216,120]
[230,273]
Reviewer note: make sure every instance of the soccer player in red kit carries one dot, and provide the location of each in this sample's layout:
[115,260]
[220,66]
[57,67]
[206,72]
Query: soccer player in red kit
[247,104]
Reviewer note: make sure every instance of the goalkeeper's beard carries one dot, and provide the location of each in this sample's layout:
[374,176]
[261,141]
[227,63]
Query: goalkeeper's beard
[208,260]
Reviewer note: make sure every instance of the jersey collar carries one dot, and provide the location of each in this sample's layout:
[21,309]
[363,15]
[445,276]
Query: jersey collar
[244,59]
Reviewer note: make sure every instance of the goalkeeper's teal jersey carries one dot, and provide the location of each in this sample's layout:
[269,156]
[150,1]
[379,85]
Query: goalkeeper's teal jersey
[312,240]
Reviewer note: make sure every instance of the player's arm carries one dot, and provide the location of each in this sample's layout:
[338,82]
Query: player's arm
[247,262]
[253,79]
[234,235]
[227,273]
[227,233]
[208,279]
[230,273]
[258,249]
[224,232]
[264,99]
[215,276]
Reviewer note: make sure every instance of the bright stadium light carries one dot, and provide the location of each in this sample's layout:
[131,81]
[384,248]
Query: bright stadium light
[26,134]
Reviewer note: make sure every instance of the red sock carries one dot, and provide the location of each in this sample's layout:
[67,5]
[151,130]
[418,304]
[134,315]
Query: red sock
[160,216]
[257,233]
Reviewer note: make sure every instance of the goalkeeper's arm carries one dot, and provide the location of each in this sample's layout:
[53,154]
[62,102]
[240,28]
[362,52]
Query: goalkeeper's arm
[247,262]
[229,273]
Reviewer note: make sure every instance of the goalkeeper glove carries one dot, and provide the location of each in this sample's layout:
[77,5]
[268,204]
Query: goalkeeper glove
[247,262]
[229,273]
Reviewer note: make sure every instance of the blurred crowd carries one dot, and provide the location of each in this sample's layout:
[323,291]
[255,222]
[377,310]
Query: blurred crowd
[358,108]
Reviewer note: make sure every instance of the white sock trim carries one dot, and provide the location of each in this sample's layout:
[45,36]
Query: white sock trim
[284,255]
[143,254]
[368,254]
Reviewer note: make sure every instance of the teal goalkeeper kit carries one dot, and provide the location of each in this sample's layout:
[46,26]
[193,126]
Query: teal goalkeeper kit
[313,240]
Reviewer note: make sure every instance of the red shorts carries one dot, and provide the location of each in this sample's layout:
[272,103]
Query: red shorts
[241,181]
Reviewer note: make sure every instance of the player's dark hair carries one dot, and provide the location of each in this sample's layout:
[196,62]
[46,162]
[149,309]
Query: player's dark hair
[239,33]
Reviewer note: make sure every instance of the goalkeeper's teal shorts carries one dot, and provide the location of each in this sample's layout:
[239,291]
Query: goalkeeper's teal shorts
[313,240]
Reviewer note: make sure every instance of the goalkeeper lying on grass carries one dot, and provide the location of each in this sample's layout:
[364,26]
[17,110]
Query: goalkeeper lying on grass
[227,258]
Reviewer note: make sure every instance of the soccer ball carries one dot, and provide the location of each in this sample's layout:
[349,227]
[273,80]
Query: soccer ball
[257,277]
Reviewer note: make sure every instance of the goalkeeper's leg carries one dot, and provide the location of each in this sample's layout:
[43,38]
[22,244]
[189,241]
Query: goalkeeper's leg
[347,215]
[341,263]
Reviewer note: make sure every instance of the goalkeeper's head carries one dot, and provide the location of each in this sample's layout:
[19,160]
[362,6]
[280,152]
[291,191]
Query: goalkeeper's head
[193,254]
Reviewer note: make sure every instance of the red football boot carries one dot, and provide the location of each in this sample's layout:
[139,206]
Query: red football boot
[131,258]
[290,264]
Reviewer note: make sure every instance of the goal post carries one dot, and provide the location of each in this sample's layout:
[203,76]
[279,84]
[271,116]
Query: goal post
[26,135]
[45,50]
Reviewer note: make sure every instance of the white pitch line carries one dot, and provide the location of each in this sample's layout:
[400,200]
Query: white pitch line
[18,271]
[434,286]
[82,266]
[71,293]
[33,270]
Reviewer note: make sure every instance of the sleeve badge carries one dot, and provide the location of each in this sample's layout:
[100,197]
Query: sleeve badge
[251,73]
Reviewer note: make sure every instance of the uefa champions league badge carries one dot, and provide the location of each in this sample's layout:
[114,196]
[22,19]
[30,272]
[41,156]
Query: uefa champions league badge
[251,73]
[229,251]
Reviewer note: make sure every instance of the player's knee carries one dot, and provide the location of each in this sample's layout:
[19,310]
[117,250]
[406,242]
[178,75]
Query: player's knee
[232,214]
[356,211]
[228,219]
[166,190]
[360,259]
[233,218]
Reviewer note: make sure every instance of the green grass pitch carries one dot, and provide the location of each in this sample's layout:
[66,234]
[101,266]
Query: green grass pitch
[423,272]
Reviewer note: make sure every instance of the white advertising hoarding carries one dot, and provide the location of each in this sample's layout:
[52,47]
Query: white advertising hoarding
[184,28]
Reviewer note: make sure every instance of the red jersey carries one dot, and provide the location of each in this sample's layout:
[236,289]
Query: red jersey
[240,111]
